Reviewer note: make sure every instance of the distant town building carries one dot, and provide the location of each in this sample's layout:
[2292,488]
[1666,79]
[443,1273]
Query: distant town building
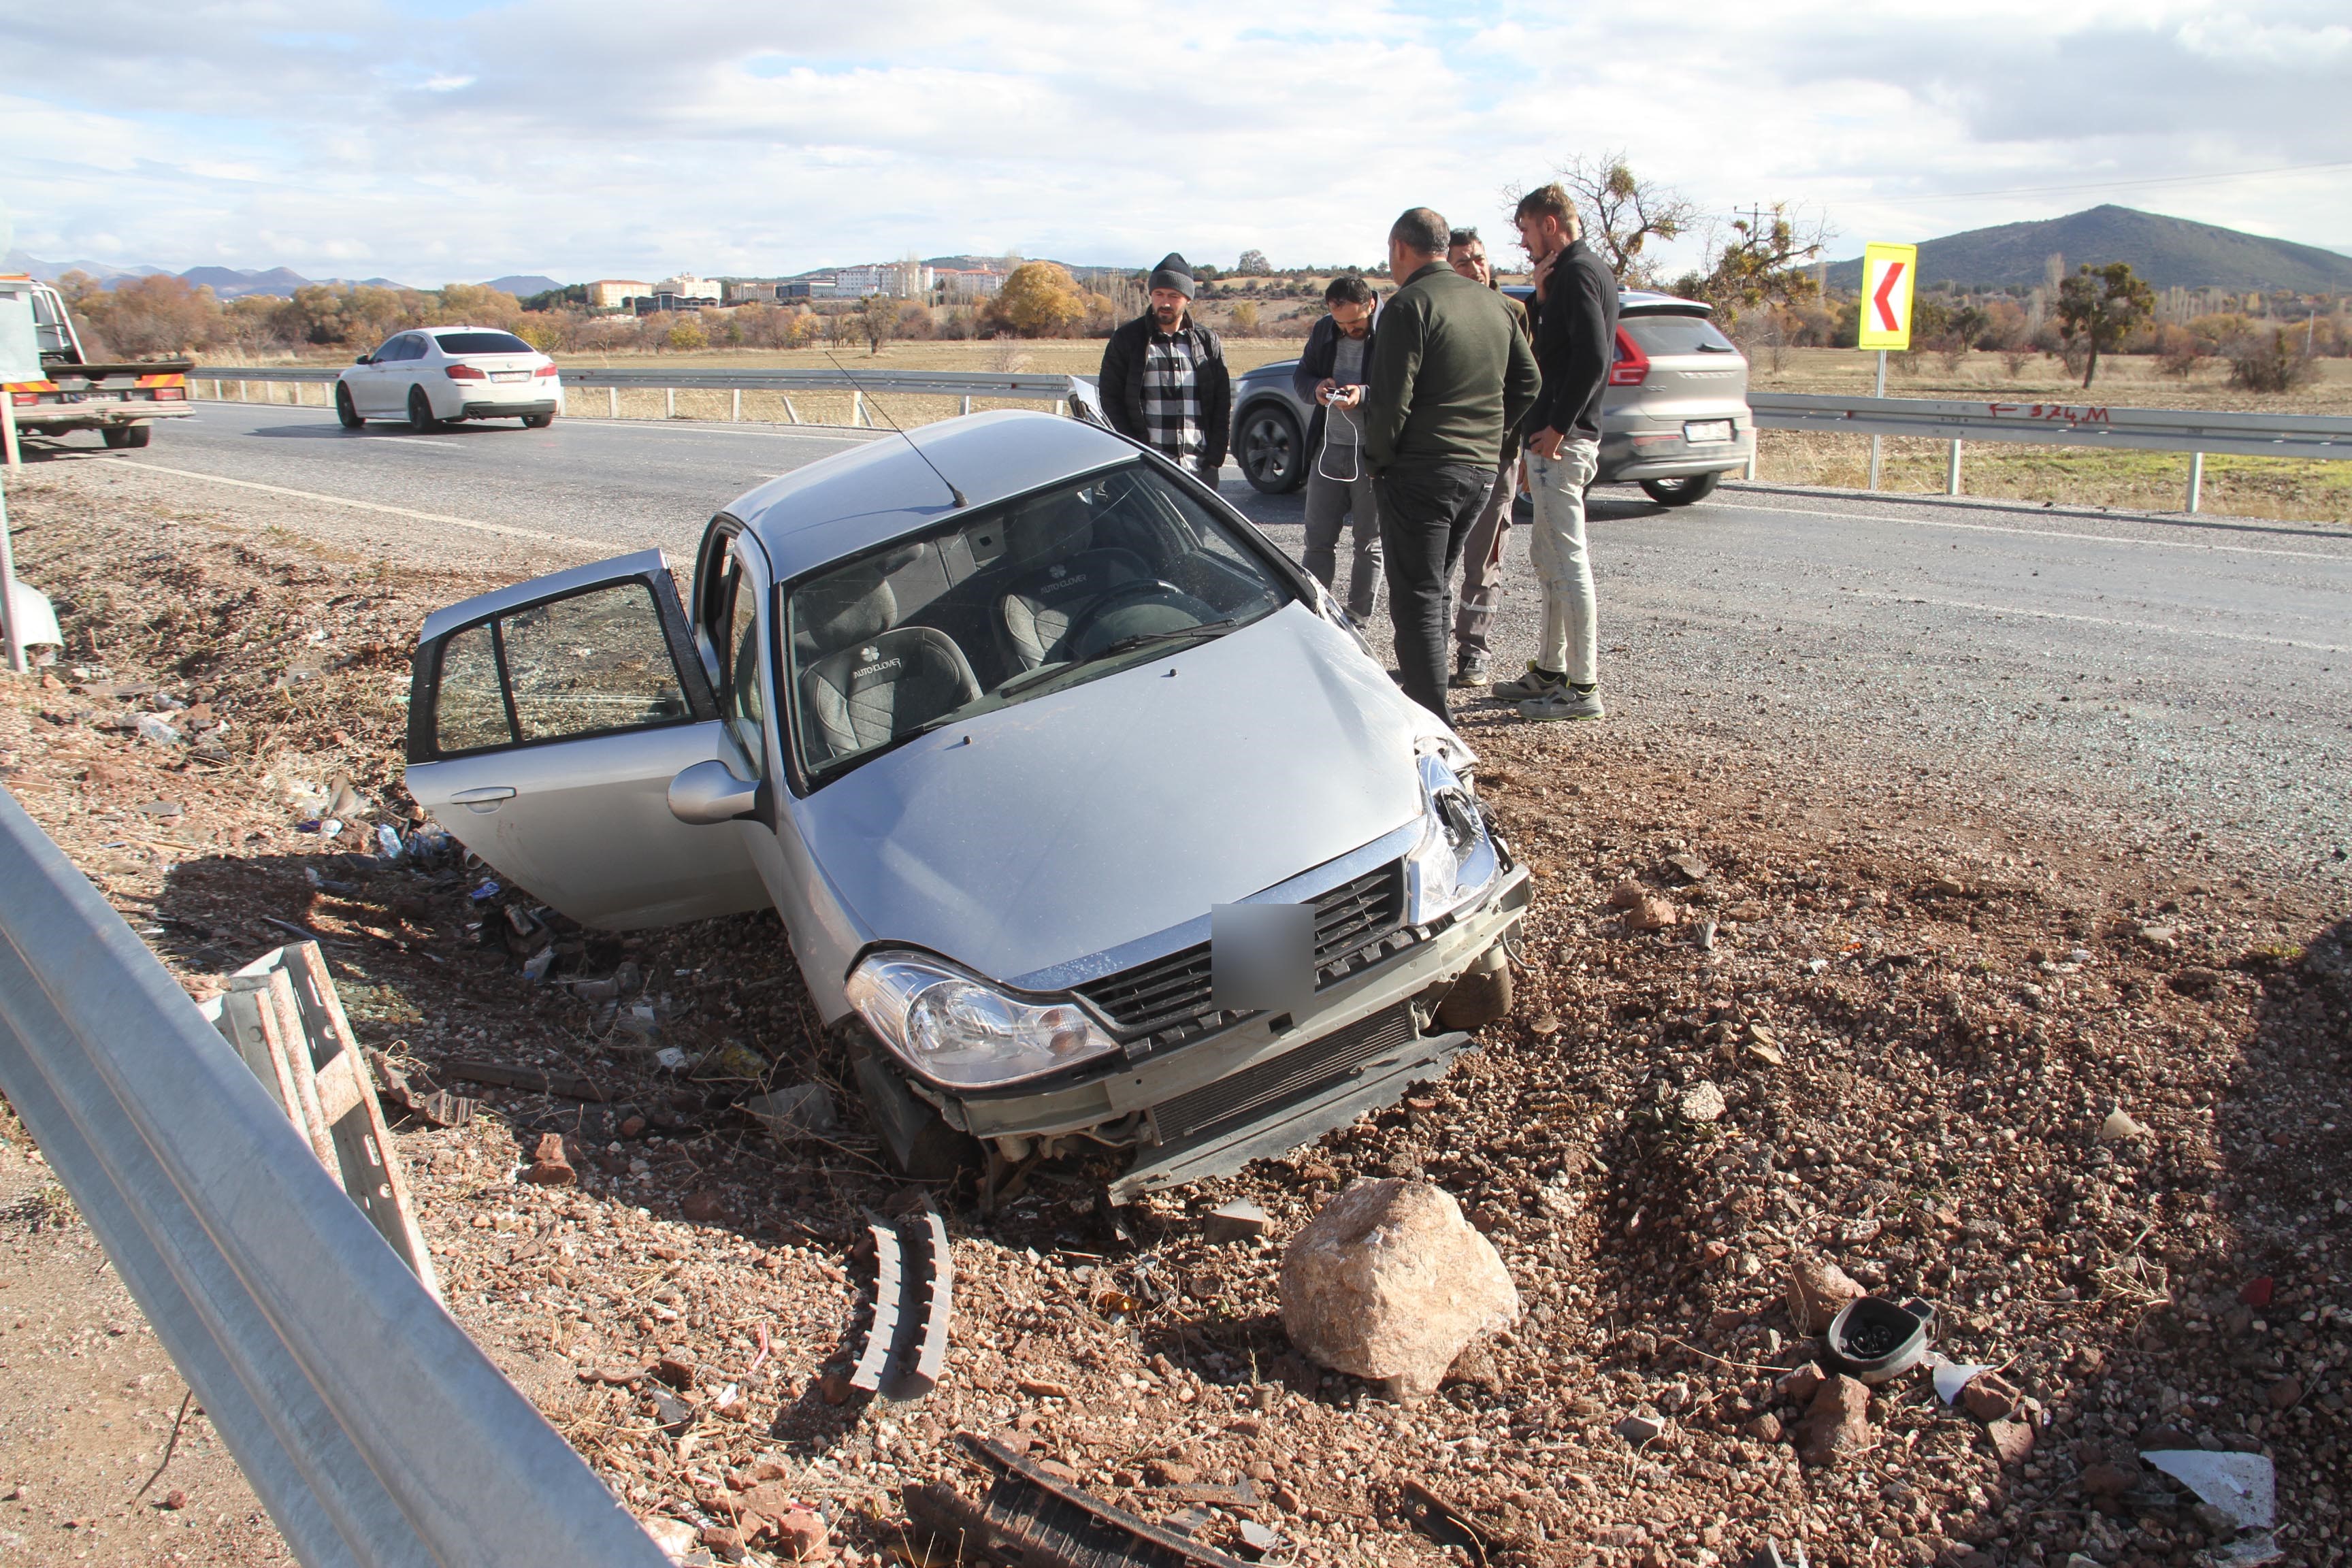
[969,282]
[663,300]
[614,293]
[751,291]
[686,286]
[811,288]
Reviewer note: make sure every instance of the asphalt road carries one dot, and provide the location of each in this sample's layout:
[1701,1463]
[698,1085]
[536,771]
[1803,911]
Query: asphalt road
[2194,674]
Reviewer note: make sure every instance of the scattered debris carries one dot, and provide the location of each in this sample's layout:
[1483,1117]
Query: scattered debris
[1702,1104]
[1836,1425]
[1873,1340]
[436,1106]
[795,1111]
[2243,1486]
[2012,1440]
[549,1167]
[1690,867]
[1951,1376]
[1638,1428]
[1446,1523]
[2119,1126]
[569,1086]
[1391,1282]
[1239,1220]
[1050,1522]
[907,1335]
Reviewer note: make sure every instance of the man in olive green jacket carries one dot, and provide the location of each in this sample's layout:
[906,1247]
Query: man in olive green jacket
[1451,373]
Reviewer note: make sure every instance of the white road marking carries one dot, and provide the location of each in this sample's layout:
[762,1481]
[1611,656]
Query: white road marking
[2033,532]
[693,427]
[419,441]
[2104,621]
[504,530]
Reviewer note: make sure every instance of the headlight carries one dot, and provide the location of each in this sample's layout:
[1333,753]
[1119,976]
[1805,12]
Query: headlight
[1456,860]
[959,1032]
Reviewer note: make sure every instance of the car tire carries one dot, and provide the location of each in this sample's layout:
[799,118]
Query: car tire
[537,421]
[1272,449]
[345,413]
[1682,491]
[420,412]
[121,437]
[1481,995]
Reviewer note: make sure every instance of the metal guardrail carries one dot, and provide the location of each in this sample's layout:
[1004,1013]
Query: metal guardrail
[2060,424]
[962,384]
[376,1434]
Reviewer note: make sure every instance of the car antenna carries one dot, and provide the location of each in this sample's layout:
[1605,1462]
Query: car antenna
[850,376]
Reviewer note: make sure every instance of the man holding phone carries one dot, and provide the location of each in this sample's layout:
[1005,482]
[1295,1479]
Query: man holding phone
[1332,374]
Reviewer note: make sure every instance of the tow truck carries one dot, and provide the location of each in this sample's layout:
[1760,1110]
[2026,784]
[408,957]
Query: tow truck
[117,400]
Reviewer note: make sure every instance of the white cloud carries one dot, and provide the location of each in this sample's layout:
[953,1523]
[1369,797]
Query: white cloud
[585,139]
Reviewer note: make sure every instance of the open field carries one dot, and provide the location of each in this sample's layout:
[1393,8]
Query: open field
[1919,994]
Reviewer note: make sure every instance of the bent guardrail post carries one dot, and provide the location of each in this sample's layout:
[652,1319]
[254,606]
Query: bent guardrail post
[376,1434]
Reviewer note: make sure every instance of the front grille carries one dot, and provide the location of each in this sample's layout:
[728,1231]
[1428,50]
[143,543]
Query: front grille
[1301,1074]
[1167,999]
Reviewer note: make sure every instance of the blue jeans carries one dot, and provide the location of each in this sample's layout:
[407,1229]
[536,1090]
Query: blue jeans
[1568,640]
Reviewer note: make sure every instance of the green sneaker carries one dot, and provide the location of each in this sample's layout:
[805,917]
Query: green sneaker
[1564,701]
[1534,683]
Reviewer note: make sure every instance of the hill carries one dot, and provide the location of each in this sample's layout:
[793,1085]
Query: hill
[523,286]
[2169,252]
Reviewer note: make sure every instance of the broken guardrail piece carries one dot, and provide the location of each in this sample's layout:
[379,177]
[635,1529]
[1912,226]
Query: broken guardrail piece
[907,1338]
[1050,1522]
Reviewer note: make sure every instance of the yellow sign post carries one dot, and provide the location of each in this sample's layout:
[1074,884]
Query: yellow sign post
[1889,276]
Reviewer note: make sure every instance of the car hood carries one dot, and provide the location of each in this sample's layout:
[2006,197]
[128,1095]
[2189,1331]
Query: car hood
[1082,820]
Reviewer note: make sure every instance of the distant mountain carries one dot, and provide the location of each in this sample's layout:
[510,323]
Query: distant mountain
[50,271]
[2169,252]
[523,286]
[231,282]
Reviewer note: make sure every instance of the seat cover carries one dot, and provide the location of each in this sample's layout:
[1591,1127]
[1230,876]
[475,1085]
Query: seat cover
[879,681]
[1062,574]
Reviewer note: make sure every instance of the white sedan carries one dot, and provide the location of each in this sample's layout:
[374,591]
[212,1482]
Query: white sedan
[435,375]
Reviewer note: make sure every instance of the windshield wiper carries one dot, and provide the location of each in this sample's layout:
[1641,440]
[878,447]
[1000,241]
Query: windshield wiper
[1146,639]
[1029,678]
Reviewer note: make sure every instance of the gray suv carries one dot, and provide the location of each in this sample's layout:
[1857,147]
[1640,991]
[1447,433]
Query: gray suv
[1674,420]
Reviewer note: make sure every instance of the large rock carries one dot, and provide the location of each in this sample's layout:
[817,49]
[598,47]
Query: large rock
[1836,1425]
[1817,1291]
[1390,1281]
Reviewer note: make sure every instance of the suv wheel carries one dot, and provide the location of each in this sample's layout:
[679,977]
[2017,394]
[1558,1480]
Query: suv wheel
[1682,491]
[1273,451]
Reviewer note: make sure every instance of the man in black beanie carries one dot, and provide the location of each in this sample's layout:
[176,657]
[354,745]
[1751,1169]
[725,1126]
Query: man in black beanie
[1164,381]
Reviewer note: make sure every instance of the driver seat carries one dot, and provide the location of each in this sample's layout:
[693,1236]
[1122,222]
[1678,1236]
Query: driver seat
[880,680]
[1066,576]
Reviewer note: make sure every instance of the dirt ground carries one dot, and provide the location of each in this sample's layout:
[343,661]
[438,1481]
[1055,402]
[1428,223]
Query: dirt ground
[1916,1013]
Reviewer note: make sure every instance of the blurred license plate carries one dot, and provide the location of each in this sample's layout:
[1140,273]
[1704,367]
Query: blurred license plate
[1696,430]
[525,375]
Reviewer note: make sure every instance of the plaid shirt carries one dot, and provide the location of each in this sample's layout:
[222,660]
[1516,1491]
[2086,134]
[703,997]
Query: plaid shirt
[1171,396]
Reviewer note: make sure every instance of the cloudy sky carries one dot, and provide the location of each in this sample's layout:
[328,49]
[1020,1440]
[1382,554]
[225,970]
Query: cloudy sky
[439,140]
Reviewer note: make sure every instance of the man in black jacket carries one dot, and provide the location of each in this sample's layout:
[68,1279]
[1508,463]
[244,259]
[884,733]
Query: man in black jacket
[1451,372]
[1164,381]
[1576,340]
[1332,372]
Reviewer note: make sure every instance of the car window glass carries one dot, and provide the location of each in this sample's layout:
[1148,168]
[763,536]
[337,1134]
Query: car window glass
[387,350]
[1677,335]
[481,343]
[744,702]
[593,662]
[468,709]
[986,612]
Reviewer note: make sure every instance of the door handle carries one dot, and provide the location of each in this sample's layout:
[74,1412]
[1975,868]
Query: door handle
[483,800]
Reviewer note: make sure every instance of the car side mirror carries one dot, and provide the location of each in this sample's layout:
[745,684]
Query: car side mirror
[364,359]
[710,793]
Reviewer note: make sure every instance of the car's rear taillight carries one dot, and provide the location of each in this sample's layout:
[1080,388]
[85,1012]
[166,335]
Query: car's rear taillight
[1632,366]
[544,370]
[463,372]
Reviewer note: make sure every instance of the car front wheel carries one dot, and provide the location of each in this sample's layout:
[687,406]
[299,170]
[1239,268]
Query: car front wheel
[1273,451]
[420,412]
[1682,491]
[345,413]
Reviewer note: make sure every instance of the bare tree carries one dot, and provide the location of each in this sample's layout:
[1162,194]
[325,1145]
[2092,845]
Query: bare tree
[1761,260]
[1622,212]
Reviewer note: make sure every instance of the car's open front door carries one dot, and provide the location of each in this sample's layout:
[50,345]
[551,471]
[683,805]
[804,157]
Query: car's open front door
[546,722]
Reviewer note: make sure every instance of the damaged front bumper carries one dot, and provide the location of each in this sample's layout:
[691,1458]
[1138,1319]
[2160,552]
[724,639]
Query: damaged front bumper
[1266,1084]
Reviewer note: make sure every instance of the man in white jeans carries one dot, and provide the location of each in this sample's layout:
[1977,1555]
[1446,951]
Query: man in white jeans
[1575,340]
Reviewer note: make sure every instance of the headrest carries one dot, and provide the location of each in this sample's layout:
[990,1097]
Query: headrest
[1049,530]
[847,607]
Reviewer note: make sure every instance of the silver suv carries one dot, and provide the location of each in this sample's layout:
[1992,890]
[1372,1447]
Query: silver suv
[1675,417]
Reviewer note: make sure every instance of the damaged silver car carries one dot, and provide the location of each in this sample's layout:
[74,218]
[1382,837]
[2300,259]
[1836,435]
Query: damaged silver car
[998,715]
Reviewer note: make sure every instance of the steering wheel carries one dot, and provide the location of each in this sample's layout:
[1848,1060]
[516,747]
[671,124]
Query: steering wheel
[1098,630]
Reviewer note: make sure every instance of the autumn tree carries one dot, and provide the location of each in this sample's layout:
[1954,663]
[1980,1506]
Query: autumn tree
[878,321]
[1253,264]
[1622,212]
[1763,260]
[2100,306]
[1041,300]
[144,318]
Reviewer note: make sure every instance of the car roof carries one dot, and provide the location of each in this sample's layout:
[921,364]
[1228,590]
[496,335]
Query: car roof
[853,500]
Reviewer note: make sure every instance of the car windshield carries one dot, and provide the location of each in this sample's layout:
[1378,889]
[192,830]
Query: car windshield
[1057,588]
[483,343]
